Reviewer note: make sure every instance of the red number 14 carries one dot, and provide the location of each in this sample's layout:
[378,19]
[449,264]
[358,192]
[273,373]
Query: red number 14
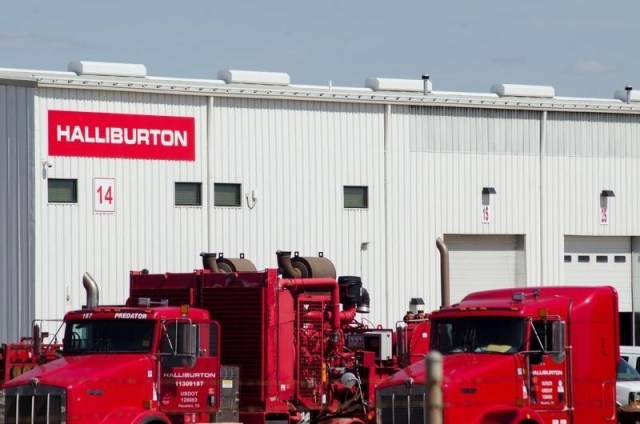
[107,197]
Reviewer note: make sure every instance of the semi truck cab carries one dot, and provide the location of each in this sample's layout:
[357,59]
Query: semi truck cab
[145,364]
[531,355]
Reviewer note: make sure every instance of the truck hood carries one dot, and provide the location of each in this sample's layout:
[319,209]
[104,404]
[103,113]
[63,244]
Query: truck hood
[73,371]
[460,369]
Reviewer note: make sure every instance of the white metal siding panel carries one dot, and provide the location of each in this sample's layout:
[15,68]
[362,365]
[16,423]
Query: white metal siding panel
[298,156]
[635,284]
[146,230]
[613,272]
[425,172]
[586,154]
[16,212]
[438,161]
[595,135]
[478,262]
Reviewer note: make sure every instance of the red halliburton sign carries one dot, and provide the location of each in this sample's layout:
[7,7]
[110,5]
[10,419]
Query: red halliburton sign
[119,135]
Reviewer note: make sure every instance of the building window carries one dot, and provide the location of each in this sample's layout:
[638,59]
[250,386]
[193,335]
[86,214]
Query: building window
[227,194]
[567,258]
[583,258]
[356,197]
[188,194]
[619,259]
[602,259]
[63,190]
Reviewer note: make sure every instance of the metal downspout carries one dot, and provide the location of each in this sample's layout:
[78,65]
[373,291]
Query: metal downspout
[209,146]
[387,260]
[541,191]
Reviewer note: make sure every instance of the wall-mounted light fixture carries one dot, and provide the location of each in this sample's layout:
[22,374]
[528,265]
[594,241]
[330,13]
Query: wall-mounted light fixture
[488,190]
[604,205]
[46,165]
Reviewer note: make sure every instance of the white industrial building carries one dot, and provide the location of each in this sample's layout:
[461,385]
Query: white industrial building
[107,169]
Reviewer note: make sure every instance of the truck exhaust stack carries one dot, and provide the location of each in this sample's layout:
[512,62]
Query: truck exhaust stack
[91,288]
[444,271]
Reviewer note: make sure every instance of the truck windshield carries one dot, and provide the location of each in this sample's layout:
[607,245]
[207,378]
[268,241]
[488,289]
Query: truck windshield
[113,336]
[490,335]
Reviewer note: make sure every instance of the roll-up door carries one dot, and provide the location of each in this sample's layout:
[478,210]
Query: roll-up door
[482,262]
[594,261]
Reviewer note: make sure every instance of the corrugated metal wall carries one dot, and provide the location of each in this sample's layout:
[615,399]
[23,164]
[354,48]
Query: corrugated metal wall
[17,162]
[587,153]
[146,230]
[424,166]
[439,160]
[297,157]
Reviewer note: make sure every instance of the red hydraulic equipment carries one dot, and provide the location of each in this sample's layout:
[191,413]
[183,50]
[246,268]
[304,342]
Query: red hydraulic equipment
[292,335]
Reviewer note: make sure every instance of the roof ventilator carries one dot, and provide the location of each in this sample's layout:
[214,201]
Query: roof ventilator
[83,67]
[628,95]
[394,84]
[231,76]
[520,90]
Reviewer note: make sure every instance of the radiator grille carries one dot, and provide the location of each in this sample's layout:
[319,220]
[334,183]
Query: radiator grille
[24,407]
[178,289]
[239,309]
[399,408]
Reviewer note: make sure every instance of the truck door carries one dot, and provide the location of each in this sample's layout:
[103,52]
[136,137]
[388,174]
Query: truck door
[189,367]
[547,376]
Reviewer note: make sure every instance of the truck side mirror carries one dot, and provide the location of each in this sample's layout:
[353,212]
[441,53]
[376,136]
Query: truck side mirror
[558,353]
[188,344]
[188,340]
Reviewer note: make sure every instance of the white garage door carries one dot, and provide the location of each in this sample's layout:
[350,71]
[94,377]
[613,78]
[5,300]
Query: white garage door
[481,262]
[593,261]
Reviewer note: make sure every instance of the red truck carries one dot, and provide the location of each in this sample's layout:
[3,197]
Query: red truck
[18,358]
[144,364]
[523,355]
[223,343]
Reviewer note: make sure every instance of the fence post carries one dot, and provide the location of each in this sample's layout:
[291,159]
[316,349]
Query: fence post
[433,400]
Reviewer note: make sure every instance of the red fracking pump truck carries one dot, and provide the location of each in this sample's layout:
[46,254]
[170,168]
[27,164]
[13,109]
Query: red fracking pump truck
[284,346]
[522,355]
[125,365]
[291,338]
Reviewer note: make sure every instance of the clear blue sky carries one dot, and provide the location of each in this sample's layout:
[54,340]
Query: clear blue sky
[584,48]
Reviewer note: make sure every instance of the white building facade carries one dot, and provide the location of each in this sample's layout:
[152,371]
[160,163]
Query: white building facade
[107,170]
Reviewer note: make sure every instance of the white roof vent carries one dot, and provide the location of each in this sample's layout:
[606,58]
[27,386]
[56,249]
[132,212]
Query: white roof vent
[627,95]
[394,84]
[519,90]
[254,77]
[83,67]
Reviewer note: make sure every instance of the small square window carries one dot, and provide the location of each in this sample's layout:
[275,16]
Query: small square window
[356,197]
[227,194]
[63,190]
[583,258]
[188,194]
[620,259]
[602,259]
[567,258]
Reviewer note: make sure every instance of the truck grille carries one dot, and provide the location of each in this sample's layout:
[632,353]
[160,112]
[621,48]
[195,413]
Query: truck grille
[396,406]
[31,405]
